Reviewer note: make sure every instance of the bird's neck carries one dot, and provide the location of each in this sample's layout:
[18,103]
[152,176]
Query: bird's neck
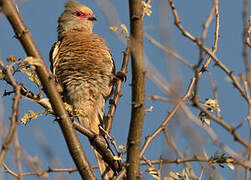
[62,30]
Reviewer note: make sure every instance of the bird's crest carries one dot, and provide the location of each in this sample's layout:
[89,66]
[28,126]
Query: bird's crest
[73,6]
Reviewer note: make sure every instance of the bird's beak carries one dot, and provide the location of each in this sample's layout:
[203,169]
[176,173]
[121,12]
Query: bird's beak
[92,18]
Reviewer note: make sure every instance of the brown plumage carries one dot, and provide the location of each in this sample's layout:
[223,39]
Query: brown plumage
[83,66]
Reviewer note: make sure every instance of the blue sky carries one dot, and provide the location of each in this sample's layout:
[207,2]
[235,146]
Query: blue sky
[41,18]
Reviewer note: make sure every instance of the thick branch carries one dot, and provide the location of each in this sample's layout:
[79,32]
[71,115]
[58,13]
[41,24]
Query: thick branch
[24,36]
[100,144]
[138,88]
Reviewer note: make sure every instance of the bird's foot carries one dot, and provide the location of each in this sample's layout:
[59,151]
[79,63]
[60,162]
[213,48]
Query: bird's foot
[121,75]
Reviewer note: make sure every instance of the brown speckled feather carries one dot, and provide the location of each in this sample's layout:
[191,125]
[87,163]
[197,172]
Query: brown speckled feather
[84,67]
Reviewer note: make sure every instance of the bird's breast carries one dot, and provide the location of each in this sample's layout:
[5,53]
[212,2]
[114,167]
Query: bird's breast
[84,62]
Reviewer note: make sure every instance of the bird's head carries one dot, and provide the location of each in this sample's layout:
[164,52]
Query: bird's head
[76,17]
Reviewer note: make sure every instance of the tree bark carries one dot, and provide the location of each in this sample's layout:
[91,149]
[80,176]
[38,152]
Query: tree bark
[138,88]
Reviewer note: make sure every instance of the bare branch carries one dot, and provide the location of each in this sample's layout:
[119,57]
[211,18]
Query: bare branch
[138,88]
[171,142]
[100,144]
[169,51]
[117,92]
[168,118]
[18,155]
[162,125]
[244,40]
[6,168]
[207,50]
[15,112]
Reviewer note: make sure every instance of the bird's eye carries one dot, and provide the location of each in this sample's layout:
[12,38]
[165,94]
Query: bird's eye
[79,14]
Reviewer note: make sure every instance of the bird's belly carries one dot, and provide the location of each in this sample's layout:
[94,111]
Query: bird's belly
[78,89]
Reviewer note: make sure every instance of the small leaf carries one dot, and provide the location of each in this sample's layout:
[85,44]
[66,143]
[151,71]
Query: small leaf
[212,103]
[114,28]
[45,174]
[2,75]
[29,116]
[153,172]
[46,102]
[205,154]
[122,31]
[207,121]
[168,178]
[32,61]
[173,174]
[117,158]
[11,59]
[34,78]
[230,165]
[25,118]
[150,109]
[183,172]
[151,168]
[31,73]
[155,176]
[124,28]
[147,9]
[123,147]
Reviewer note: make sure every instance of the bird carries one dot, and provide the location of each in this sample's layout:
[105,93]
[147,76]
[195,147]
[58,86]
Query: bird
[82,65]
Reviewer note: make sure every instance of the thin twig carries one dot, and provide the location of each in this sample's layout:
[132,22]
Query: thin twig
[18,155]
[216,140]
[222,123]
[244,39]
[249,33]
[8,170]
[169,51]
[248,73]
[160,98]
[215,92]
[117,92]
[14,115]
[207,24]
[230,73]
[198,73]
[171,142]
[167,119]
[49,154]
[162,125]
[245,83]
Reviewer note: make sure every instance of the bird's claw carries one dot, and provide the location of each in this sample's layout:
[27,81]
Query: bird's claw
[121,75]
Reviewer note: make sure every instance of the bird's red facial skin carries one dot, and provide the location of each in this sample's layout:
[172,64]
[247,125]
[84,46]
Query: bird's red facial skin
[80,14]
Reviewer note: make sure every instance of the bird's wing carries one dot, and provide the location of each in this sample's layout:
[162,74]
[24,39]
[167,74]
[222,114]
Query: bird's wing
[110,91]
[114,68]
[54,61]
[54,56]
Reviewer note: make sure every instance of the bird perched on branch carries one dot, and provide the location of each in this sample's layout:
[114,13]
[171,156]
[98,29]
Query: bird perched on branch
[83,66]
